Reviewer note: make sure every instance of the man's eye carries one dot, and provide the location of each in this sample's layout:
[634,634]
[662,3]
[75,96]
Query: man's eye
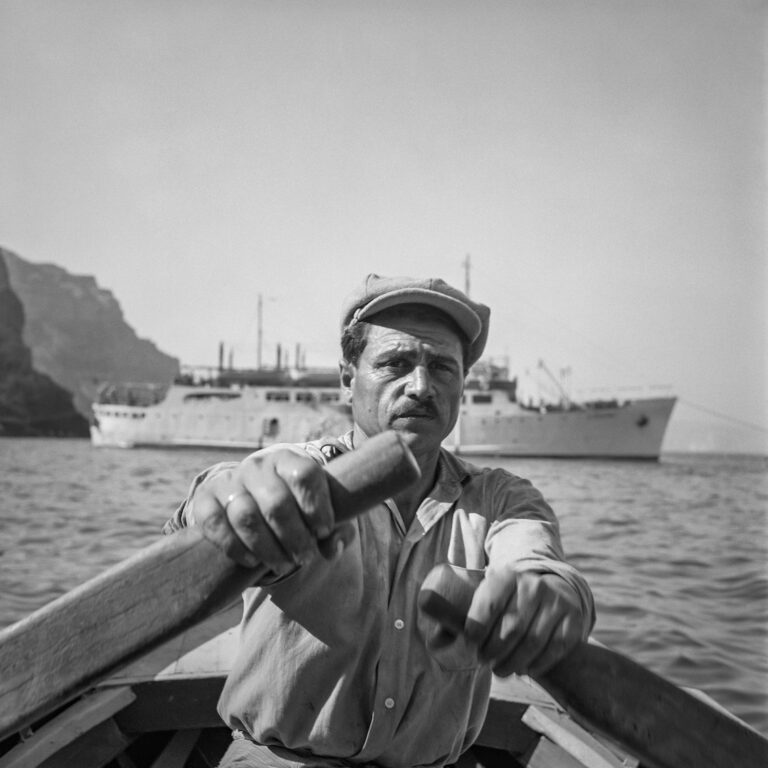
[396,363]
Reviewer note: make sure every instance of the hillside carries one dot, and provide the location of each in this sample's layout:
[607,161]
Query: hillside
[74,332]
[30,402]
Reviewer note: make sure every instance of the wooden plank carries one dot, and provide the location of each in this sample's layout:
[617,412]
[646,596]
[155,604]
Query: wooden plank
[65,728]
[177,750]
[522,689]
[568,736]
[547,754]
[62,649]
[93,749]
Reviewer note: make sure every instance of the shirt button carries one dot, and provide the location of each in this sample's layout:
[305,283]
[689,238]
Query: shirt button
[399,623]
[389,703]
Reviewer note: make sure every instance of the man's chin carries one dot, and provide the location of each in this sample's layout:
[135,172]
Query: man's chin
[420,434]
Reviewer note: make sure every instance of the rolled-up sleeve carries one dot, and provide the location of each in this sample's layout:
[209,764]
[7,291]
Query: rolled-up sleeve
[184,514]
[525,536]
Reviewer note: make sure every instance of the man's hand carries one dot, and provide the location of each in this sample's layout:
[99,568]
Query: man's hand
[272,509]
[524,623]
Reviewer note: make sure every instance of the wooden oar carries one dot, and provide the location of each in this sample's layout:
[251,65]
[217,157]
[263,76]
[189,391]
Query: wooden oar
[66,646]
[660,724]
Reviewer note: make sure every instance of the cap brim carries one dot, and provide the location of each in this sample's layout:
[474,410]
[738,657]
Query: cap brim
[467,320]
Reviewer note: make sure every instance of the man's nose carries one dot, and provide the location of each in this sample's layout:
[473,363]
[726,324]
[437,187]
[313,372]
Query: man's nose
[418,382]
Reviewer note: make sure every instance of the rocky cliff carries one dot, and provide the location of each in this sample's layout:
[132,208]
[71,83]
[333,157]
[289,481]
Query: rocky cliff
[30,402]
[74,331]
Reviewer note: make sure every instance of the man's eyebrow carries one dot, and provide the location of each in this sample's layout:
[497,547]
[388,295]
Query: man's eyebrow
[396,349]
[441,358]
[405,350]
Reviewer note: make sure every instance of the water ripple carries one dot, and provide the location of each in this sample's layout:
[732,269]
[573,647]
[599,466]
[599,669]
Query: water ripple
[675,552]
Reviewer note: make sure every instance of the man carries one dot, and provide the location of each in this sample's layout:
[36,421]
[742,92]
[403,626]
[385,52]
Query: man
[336,664]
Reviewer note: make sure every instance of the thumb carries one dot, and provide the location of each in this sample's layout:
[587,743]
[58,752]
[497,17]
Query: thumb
[341,537]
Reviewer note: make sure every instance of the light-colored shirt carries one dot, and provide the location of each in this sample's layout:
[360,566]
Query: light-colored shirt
[332,660]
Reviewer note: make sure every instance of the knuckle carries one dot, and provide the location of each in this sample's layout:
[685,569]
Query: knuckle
[206,510]
[535,587]
[510,627]
[304,474]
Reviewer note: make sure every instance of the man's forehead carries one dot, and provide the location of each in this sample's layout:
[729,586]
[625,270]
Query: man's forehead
[407,333]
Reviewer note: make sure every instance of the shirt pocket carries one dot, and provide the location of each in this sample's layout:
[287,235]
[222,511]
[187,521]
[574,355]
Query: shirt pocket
[457,655]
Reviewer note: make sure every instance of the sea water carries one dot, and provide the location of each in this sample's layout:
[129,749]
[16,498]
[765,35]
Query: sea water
[676,552]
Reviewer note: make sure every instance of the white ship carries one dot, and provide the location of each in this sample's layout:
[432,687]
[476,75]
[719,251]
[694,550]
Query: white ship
[254,409]
[493,420]
[224,409]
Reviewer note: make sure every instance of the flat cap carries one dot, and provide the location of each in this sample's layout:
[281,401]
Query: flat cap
[378,293]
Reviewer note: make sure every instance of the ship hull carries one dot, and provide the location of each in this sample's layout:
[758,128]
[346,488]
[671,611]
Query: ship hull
[633,430]
[249,418]
[245,418]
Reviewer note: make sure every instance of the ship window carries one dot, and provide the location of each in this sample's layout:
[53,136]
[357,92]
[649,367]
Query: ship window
[278,396]
[482,398]
[199,396]
[304,397]
[329,397]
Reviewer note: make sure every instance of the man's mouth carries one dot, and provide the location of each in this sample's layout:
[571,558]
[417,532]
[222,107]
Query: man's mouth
[415,413]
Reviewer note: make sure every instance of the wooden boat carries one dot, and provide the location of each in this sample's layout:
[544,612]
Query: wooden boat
[125,671]
[160,711]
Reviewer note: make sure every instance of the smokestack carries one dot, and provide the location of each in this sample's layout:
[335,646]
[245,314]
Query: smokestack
[221,356]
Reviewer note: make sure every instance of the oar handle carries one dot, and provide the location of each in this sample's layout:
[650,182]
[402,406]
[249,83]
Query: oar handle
[659,723]
[69,644]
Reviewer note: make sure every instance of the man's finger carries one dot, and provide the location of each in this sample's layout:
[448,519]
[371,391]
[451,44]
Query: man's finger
[488,604]
[250,528]
[520,647]
[341,537]
[308,483]
[563,640]
[211,517]
[275,506]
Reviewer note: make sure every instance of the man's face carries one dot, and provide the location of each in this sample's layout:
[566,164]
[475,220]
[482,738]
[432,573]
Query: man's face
[409,378]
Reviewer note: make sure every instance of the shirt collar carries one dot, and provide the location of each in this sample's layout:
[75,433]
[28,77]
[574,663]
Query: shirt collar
[451,475]
[451,469]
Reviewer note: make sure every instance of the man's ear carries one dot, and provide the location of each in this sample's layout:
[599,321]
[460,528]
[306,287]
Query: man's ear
[346,377]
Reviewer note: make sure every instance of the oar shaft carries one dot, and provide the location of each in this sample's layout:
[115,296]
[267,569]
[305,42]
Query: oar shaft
[69,644]
[660,724]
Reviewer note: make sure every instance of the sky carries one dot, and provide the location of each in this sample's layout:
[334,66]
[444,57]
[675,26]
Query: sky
[602,163]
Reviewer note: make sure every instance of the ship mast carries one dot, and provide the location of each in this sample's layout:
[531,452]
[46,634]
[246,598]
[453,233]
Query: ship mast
[467,266]
[566,398]
[258,332]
